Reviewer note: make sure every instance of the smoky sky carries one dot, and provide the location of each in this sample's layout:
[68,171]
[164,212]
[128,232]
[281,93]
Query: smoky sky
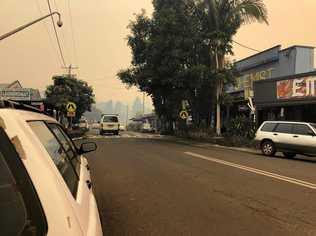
[100,30]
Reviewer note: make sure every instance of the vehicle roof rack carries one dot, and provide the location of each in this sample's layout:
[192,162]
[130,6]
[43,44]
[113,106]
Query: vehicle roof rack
[6,103]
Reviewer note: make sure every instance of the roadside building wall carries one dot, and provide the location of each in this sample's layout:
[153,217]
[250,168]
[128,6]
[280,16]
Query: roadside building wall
[269,64]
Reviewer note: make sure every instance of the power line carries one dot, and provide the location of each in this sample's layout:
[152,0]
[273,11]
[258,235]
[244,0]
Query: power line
[46,28]
[72,34]
[242,45]
[57,38]
[63,38]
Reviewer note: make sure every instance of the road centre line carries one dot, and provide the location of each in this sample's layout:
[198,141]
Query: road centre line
[256,171]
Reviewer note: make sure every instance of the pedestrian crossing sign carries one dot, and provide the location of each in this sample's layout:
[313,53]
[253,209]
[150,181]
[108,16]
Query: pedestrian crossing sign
[71,107]
[184,115]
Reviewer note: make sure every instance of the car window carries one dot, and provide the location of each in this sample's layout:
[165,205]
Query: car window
[268,127]
[284,128]
[67,144]
[57,154]
[301,129]
[110,119]
[313,124]
[21,212]
[13,213]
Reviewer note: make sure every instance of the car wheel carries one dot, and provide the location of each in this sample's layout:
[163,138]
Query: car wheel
[268,148]
[289,154]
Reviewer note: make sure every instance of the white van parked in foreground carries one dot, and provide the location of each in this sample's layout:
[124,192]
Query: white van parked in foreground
[45,184]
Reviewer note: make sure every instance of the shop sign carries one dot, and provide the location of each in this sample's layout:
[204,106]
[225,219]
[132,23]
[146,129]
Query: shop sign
[296,88]
[16,94]
[245,82]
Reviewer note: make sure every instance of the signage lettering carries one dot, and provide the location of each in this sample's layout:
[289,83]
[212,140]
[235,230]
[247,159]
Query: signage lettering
[296,88]
[246,81]
[16,94]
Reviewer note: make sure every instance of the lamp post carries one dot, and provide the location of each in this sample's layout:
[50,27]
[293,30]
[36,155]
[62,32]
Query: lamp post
[59,23]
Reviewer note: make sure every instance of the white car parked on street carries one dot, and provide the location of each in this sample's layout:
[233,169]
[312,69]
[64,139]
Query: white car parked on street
[291,138]
[45,184]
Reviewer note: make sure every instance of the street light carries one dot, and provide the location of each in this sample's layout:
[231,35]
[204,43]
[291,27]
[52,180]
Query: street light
[59,23]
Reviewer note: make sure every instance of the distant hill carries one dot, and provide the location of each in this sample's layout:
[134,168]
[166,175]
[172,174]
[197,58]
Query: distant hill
[94,115]
[122,109]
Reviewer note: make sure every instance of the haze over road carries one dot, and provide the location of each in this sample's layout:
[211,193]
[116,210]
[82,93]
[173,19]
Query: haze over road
[159,187]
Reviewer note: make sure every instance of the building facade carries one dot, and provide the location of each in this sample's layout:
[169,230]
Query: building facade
[15,92]
[291,98]
[258,70]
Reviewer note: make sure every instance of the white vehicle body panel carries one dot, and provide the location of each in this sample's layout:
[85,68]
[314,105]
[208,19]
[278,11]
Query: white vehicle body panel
[65,215]
[297,143]
[109,126]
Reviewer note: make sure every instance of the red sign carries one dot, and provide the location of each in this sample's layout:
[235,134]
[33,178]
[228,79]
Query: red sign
[296,88]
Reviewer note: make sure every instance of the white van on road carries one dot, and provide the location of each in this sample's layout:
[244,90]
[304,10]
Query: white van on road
[109,124]
[45,184]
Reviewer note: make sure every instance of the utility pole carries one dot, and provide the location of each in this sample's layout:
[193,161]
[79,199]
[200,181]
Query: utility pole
[126,116]
[70,75]
[69,69]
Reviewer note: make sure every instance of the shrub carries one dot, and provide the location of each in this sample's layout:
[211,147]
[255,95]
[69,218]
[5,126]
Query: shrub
[241,126]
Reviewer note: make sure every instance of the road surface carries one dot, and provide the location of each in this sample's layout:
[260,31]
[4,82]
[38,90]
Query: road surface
[151,186]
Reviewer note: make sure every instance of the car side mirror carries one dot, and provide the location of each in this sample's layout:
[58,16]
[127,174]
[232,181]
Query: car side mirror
[311,133]
[87,147]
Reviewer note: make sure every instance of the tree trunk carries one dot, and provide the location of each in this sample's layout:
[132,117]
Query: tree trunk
[218,110]
[219,89]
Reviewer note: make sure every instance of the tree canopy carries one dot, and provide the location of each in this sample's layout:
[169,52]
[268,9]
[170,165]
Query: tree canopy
[174,52]
[69,89]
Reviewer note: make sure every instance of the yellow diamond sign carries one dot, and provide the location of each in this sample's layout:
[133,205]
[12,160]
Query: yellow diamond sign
[71,107]
[184,115]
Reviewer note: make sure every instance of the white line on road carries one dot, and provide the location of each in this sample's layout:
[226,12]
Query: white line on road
[256,171]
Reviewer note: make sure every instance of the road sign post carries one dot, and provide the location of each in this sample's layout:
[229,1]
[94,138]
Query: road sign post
[71,112]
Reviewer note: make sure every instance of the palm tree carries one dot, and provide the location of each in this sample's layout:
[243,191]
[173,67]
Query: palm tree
[223,19]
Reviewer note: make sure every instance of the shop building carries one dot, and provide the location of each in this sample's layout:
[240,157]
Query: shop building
[291,98]
[16,93]
[267,66]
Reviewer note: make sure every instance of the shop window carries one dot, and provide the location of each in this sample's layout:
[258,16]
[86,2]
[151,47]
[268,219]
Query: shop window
[284,128]
[302,129]
[268,127]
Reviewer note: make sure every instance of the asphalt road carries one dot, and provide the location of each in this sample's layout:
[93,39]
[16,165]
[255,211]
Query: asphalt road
[150,186]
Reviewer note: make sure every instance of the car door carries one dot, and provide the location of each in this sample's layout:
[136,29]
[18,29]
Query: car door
[304,139]
[21,211]
[84,204]
[283,136]
[61,176]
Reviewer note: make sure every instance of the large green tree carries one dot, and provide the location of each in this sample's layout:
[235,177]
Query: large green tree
[69,89]
[170,58]
[221,20]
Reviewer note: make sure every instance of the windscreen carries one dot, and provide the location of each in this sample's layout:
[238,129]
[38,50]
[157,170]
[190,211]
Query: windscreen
[110,119]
